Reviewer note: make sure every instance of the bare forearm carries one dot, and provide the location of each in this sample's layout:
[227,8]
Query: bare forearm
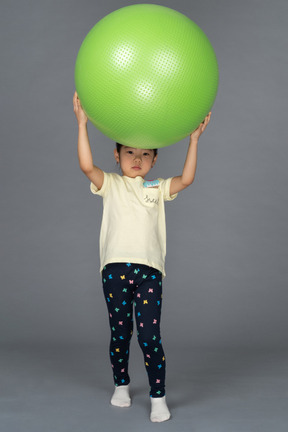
[189,169]
[181,182]
[84,149]
[186,178]
[94,173]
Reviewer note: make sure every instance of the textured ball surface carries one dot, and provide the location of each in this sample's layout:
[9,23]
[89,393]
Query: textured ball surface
[146,76]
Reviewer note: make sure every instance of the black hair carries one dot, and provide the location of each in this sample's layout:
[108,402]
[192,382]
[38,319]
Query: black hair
[118,147]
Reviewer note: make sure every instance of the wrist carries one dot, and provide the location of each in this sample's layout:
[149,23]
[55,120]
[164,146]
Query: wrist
[193,140]
[82,124]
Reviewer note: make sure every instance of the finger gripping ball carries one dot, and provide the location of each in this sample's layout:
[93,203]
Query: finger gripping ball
[146,76]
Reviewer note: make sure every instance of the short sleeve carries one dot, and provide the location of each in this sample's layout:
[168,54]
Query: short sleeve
[104,188]
[165,189]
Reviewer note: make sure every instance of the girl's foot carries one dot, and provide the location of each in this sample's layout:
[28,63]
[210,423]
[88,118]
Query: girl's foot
[121,397]
[159,410]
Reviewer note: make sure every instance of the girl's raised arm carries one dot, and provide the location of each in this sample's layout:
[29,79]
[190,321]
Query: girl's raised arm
[94,173]
[188,174]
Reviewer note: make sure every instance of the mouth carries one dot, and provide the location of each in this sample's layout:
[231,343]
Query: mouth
[136,168]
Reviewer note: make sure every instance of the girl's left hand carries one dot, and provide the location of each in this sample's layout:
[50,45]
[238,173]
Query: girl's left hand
[197,132]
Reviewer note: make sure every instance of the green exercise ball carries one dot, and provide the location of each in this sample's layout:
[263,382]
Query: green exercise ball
[146,76]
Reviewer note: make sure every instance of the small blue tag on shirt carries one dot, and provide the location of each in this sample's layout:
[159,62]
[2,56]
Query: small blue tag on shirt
[151,183]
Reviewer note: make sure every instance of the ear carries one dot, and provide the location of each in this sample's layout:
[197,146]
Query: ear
[117,156]
[154,160]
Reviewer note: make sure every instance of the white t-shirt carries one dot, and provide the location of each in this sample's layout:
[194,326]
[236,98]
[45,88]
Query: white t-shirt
[133,224]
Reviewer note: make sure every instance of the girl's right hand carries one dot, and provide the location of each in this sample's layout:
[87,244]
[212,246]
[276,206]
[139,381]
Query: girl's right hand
[78,110]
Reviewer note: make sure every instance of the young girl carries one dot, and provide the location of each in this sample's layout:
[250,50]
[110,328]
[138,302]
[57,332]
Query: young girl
[132,255]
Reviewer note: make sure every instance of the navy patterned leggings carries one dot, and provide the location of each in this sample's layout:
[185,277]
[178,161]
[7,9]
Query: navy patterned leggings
[126,285]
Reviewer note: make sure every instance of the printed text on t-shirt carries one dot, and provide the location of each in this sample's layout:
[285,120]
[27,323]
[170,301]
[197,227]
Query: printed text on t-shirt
[147,199]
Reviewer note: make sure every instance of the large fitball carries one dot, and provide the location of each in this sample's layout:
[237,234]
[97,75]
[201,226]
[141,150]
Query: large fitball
[146,76]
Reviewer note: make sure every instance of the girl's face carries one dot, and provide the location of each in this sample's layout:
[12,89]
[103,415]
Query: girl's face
[135,162]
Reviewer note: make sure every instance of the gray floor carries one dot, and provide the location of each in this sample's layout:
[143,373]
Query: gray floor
[67,388]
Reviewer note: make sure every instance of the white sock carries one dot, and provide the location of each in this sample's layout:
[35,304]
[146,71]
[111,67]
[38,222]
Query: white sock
[159,410]
[121,397]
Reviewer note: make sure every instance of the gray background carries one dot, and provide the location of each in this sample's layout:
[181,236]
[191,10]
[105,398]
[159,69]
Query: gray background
[227,272]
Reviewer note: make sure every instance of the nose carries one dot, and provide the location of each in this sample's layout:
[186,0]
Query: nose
[137,157]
